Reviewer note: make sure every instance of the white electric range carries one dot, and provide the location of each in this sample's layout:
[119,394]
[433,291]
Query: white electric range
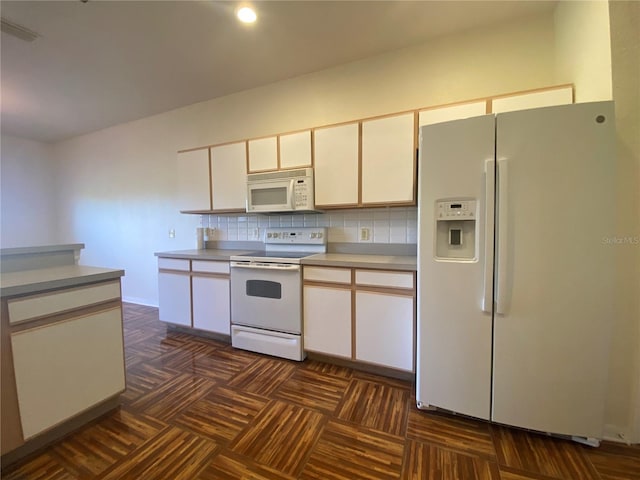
[266,292]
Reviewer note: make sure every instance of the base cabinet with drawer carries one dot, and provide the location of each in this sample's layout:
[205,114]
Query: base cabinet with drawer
[360,314]
[62,359]
[195,293]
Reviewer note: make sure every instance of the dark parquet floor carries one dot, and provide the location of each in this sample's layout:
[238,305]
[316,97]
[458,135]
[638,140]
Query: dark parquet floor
[196,408]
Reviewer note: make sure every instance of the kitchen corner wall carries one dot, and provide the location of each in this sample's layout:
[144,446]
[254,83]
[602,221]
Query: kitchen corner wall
[385,225]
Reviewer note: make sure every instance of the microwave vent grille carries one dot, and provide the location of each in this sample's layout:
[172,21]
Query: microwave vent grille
[283,174]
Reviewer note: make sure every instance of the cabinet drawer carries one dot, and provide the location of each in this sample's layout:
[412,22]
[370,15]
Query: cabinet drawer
[208,266]
[377,278]
[332,275]
[174,264]
[36,306]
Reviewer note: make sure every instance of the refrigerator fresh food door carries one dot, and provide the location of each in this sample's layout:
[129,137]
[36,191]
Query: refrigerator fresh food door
[554,295]
[454,275]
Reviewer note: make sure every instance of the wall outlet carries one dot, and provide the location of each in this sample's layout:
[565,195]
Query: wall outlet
[172,233]
[365,234]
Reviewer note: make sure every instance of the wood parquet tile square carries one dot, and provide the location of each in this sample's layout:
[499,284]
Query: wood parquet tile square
[174,454]
[453,432]
[263,376]
[231,466]
[430,462]
[221,414]
[311,389]
[173,396]
[351,452]
[196,408]
[375,405]
[536,453]
[281,436]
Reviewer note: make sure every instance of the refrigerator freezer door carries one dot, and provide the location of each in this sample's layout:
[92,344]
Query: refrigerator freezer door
[551,340]
[454,334]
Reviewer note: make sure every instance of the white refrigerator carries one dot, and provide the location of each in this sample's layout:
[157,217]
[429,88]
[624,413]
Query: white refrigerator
[515,274]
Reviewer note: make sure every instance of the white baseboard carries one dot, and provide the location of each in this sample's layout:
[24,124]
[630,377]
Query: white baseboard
[140,301]
[616,433]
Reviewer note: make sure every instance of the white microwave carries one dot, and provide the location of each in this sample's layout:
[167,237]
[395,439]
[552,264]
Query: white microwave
[284,191]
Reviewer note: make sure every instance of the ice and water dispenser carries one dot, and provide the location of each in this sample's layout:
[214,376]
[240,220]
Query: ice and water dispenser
[456,229]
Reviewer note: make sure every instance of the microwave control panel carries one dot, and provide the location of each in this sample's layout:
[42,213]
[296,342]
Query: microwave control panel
[302,192]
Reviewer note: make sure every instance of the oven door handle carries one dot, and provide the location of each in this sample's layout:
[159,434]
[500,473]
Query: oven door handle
[267,266]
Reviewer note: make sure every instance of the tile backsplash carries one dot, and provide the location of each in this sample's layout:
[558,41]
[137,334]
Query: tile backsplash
[384,225]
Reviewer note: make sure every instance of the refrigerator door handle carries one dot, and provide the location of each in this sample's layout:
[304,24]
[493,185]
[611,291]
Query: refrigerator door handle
[489,206]
[502,236]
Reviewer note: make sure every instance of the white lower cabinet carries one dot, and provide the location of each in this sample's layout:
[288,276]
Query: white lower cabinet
[327,320]
[381,315]
[195,293]
[174,298]
[384,329]
[211,304]
[67,367]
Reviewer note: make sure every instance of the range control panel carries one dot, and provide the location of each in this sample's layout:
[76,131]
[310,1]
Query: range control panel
[456,210]
[296,236]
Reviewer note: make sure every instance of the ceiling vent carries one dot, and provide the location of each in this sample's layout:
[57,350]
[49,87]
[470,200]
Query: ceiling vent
[18,31]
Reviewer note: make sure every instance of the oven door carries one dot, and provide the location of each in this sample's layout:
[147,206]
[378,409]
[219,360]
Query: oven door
[272,196]
[266,295]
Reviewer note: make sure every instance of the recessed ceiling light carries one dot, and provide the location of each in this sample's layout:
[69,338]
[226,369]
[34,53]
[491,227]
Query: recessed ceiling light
[246,15]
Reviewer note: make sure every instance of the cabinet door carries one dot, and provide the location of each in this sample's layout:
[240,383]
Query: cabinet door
[263,154]
[63,369]
[229,176]
[211,302]
[451,112]
[388,160]
[295,150]
[193,180]
[174,298]
[524,101]
[384,329]
[327,320]
[336,165]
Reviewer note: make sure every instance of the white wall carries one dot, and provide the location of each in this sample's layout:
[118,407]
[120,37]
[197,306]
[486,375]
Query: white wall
[583,48]
[117,184]
[27,202]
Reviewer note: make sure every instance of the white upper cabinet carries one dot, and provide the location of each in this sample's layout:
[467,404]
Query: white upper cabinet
[295,149]
[388,160]
[523,101]
[336,165]
[193,180]
[263,154]
[229,176]
[451,112]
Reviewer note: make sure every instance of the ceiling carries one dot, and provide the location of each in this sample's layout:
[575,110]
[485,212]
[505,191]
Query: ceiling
[101,63]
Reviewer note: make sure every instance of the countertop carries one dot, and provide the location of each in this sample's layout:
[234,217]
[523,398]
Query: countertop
[385,262]
[206,254]
[37,280]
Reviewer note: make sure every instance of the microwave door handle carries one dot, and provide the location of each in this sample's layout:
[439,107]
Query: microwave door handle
[292,200]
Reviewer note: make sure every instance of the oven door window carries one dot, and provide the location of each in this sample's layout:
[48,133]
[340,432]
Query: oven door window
[264,289]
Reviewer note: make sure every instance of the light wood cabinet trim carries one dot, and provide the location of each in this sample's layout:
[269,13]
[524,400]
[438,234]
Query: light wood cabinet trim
[210,180]
[535,90]
[399,292]
[176,272]
[186,150]
[337,206]
[210,275]
[489,106]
